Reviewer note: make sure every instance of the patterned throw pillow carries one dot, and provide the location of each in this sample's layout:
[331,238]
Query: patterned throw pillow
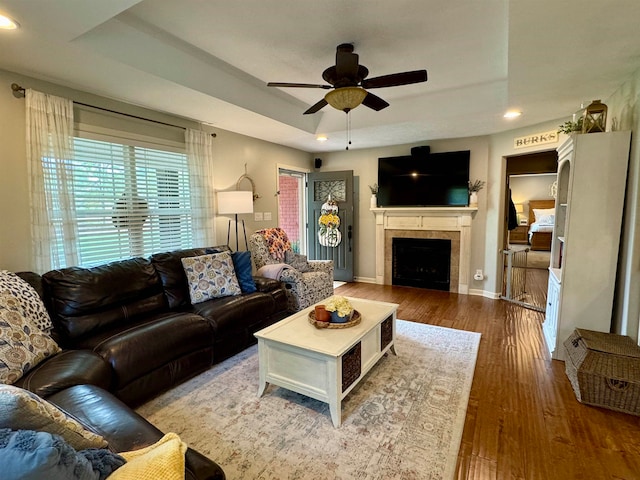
[22,344]
[29,299]
[23,410]
[297,261]
[210,276]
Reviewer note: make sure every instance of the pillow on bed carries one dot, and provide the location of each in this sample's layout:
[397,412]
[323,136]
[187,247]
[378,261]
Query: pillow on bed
[544,216]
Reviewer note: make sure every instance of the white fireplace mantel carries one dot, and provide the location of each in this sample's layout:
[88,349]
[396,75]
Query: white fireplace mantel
[446,219]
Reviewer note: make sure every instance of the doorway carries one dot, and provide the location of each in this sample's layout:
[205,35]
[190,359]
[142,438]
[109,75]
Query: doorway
[529,190]
[292,212]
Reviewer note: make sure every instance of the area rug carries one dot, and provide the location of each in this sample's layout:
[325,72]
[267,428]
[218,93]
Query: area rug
[538,259]
[403,421]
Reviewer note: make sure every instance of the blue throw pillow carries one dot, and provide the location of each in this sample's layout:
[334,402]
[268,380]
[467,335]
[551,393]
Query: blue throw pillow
[30,455]
[104,462]
[27,455]
[242,266]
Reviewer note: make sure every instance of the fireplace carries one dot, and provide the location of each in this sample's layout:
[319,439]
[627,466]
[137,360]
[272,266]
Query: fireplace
[421,262]
[448,223]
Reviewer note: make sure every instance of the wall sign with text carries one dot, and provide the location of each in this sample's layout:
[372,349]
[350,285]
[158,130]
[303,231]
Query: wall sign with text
[536,139]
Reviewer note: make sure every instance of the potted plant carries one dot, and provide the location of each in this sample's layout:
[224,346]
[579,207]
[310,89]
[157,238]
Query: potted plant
[340,308]
[474,188]
[374,192]
[569,126]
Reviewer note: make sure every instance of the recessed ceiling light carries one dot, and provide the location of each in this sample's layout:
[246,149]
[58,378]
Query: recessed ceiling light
[512,114]
[7,24]
[322,138]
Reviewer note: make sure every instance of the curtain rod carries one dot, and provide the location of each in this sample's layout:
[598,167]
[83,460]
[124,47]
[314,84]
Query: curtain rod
[19,92]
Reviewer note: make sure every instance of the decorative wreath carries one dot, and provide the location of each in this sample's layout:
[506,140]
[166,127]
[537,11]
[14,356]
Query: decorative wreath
[329,233]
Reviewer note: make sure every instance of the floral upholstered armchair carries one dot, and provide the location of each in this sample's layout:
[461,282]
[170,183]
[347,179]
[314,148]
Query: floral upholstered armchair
[306,281]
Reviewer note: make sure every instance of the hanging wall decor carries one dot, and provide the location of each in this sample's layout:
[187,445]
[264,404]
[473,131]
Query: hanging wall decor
[329,234]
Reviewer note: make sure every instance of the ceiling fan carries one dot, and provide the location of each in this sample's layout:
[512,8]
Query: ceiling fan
[349,84]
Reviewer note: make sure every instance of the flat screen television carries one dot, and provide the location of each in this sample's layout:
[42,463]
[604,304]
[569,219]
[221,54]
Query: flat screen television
[433,180]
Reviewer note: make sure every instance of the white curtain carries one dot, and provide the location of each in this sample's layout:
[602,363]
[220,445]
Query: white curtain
[49,155]
[200,157]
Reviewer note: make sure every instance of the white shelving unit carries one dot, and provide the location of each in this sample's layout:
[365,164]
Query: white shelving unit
[592,174]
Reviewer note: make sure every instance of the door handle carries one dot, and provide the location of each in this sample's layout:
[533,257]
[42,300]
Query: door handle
[349,235]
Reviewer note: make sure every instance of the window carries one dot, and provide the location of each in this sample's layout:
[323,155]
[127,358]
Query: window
[128,201]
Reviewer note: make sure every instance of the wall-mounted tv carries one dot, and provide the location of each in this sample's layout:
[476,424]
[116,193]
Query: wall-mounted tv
[432,180]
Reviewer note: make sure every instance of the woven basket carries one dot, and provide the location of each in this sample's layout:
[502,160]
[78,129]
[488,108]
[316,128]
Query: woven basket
[356,318]
[604,370]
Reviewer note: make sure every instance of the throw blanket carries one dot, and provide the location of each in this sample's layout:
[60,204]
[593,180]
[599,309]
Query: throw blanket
[277,242]
[273,270]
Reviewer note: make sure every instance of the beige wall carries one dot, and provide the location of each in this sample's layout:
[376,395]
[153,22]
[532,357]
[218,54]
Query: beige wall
[364,164]
[15,231]
[488,155]
[624,114]
[231,153]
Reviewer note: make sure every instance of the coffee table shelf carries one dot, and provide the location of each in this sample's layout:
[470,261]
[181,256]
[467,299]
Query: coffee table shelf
[325,364]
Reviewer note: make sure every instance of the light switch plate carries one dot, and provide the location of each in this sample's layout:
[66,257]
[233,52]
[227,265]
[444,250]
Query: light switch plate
[257,216]
[267,216]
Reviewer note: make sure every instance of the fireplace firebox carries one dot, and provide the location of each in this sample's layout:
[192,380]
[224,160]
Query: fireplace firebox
[422,262]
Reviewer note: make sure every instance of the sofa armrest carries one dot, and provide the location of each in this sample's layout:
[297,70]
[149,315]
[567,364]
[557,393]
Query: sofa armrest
[123,428]
[266,285]
[66,369]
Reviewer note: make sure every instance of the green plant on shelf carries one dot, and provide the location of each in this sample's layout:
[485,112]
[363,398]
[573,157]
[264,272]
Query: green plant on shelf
[476,185]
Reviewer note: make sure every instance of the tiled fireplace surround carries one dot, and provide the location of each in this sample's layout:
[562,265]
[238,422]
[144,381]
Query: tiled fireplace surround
[453,223]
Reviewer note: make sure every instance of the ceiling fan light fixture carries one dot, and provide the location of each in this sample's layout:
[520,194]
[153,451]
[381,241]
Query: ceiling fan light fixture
[346,98]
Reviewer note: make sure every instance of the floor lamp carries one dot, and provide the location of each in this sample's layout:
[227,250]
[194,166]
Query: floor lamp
[235,203]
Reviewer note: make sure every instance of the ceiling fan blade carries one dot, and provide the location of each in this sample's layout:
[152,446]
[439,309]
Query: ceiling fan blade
[374,102]
[298,85]
[395,79]
[314,108]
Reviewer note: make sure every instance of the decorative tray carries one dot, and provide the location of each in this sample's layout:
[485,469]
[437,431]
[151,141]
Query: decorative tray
[355,320]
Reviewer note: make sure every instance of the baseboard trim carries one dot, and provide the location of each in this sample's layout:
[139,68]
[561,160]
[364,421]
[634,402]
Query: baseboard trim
[484,293]
[476,292]
[364,279]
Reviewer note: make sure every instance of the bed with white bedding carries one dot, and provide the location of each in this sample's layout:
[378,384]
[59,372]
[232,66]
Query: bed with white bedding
[541,220]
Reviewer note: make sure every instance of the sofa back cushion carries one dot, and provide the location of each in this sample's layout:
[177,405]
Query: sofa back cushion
[172,275]
[86,300]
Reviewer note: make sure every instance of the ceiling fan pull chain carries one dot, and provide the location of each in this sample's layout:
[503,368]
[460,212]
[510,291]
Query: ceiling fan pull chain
[348,129]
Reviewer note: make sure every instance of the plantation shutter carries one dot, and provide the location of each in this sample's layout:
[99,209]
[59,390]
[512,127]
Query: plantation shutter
[130,200]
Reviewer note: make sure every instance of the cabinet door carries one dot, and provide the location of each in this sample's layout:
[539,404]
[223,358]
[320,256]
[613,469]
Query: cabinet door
[550,326]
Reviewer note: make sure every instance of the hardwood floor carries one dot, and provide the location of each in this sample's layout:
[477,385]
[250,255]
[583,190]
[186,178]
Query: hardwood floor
[523,420]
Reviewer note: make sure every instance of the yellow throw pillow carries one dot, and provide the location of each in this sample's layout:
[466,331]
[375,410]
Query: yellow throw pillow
[164,459]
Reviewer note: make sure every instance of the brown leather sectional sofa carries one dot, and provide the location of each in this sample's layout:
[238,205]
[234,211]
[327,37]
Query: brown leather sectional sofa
[129,332]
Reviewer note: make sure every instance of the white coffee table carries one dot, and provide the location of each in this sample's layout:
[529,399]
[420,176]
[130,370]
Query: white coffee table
[325,364]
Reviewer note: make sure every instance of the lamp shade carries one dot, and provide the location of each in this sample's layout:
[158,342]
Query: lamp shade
[346,98]
[235,202]
[519,208]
